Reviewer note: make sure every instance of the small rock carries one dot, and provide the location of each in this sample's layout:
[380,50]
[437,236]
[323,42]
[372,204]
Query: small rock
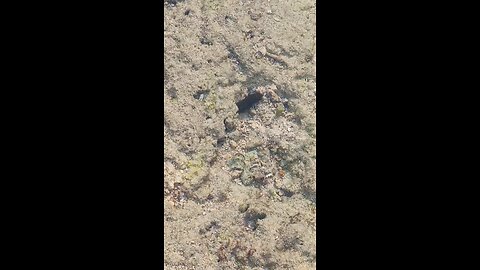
[236,163]
[243,207]
[229,125]
[246,178]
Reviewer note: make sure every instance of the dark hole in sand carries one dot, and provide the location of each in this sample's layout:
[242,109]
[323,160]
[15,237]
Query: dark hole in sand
[248,102]
[251,218]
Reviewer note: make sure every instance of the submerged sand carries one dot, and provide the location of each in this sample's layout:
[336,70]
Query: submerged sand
[240,188]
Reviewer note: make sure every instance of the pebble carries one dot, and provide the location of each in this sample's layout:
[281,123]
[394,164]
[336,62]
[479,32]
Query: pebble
[243,207]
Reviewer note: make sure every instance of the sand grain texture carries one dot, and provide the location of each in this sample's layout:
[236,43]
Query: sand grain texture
[239,188]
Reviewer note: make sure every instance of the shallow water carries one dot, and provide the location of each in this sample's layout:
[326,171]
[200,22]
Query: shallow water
[240,189]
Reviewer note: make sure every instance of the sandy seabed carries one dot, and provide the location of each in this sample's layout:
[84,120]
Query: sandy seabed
[240,187]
